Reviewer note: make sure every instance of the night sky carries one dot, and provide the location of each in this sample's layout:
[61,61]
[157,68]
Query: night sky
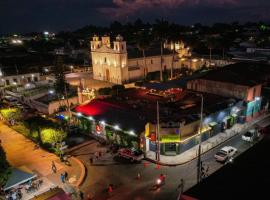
[54,15]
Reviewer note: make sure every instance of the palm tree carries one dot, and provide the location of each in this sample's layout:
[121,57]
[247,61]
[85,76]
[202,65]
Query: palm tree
[211,43]
[173,37]
[161,28]
[143,43]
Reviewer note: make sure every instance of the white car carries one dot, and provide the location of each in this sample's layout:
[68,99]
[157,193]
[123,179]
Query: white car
[225,153]
[251,135]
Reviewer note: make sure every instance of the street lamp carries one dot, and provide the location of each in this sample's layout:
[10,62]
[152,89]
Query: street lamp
[200,138]
[71,68]
[200,141]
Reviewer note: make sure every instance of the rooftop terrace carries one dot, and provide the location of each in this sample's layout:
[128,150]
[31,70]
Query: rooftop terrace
[132,109]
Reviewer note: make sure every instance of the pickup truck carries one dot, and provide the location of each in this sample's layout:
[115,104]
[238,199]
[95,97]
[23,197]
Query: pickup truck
[132,154]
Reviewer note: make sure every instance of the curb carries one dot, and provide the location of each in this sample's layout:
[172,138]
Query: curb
[79,146]
[83,171]
[183,163]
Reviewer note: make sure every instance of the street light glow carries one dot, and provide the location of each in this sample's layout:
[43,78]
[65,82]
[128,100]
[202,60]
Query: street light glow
[90,118]
[116,127]
[103,123]
[257,98]
[131,132]
[79,114]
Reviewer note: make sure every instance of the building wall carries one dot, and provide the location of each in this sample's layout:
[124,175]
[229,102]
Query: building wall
[109,63]
[219,88]
[112,64]
[19,79]
[254,92]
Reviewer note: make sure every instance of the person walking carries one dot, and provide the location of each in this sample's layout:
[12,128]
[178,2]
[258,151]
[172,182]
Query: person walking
[110,189]
[81,195]
[96,155]
[54,169]
[66,175]
[89,197]
[62,177]
[91,160]
[139,176]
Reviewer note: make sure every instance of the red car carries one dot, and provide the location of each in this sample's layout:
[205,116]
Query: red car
[132,154]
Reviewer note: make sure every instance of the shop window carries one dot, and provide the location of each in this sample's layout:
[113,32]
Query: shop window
[15,80]
[7,82]
[35,79]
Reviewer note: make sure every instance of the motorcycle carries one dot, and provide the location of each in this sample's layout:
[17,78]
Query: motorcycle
[159,182]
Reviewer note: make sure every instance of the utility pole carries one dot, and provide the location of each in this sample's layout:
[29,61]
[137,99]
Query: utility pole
[158,135]
[200,140]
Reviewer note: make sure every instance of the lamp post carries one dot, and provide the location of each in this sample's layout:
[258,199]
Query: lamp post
[200,141]
[158,136]
[71,68]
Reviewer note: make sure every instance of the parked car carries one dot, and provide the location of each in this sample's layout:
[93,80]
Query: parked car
[132,154]
[251,135]
[265,130]
[225,153]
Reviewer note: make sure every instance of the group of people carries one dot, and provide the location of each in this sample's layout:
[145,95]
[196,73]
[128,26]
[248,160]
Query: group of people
[33,185]
[14,195]
[96,156]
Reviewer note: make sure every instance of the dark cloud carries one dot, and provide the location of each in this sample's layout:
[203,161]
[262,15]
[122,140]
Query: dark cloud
[54,15]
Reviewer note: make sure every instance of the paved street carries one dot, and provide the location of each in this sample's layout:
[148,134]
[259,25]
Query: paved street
[122,174]
[21,153]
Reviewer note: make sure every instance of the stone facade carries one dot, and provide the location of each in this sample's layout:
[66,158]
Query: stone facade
[111,63]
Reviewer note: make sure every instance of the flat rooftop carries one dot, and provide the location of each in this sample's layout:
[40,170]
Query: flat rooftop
[132,109]
[248,74]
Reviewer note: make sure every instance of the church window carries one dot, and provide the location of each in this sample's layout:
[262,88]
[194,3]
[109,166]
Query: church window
[152,61]
[122,47]
[105,60]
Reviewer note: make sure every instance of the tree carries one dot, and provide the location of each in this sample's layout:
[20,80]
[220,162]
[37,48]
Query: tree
[161,28]
[4,166]
[61,86]
[38,123]
[143,43]
[211,44]
[52,135]
[173,37]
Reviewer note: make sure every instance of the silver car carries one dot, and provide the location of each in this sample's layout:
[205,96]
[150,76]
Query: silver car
[225,153]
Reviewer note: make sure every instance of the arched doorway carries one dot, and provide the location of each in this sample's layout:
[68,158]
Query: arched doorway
[107,77]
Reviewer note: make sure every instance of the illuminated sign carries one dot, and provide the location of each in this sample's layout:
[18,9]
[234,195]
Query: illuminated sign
[98,129]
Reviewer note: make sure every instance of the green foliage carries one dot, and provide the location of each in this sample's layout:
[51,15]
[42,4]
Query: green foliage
[50,135]
[4,167]
[11,113]
[105,91]
[36,124]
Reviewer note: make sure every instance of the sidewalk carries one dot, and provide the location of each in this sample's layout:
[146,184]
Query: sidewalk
[21,152]
[207,145]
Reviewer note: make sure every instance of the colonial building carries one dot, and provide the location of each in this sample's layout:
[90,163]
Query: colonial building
[113,63]
[242,81]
